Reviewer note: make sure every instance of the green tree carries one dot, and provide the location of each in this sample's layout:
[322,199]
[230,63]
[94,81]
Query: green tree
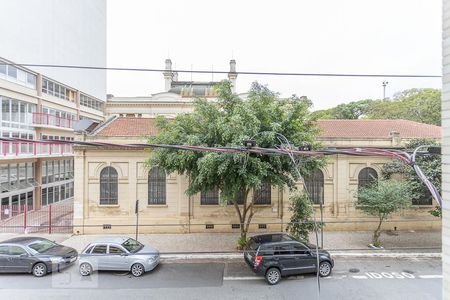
[429,164]
[227,122]
[382,199]
[301,220]
[420,105]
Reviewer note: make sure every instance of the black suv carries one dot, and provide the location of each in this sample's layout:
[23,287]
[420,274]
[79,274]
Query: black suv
[278,254]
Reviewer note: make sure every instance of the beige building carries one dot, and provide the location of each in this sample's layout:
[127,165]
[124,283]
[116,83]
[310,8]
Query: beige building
[109,180]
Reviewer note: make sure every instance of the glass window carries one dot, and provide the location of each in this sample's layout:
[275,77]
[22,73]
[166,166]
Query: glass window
[44,196]
[16,250]
[21,76]
[31,80]
[6,109]
[4,250]
[367,177]
[99,249]
[263,195]
[44,172]
[210,197]
[12,71]
[56,191]
[108,186]
[115,250]
[156,186]
[283,250]
[132,245]
[50,195]
[315,185]
[63,192]
[14,111]
[2,69]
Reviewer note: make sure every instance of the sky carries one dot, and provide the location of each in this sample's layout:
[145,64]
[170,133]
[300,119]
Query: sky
[321,36]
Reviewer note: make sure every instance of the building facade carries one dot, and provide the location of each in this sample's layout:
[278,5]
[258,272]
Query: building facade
[109,180]
[37,170]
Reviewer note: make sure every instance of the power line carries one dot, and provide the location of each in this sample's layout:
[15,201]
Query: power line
[225,72]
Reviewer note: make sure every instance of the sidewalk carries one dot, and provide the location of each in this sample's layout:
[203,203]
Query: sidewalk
[214,243]
[226,242]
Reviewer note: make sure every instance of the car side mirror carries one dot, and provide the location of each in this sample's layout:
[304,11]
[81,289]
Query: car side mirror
[23,255]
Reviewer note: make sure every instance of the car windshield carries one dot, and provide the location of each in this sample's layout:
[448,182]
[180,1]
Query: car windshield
[42,246]
[132,245]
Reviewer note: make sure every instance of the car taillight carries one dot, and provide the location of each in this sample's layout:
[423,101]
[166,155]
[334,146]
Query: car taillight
[258,260]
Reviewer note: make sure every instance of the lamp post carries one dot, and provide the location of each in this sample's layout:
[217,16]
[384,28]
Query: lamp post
[385,83]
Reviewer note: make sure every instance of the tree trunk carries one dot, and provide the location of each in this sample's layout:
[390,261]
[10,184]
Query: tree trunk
[244,222]
[377,232]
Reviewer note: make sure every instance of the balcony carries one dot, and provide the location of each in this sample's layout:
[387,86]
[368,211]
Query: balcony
[52,121]
[33,149]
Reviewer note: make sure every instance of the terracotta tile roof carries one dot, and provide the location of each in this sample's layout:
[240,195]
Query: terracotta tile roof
[377,129]
[137,127]
[129,127]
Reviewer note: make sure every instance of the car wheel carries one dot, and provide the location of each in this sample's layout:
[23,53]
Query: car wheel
[324,269]
[39,269]
[85,269]
[137,270]
[273,276]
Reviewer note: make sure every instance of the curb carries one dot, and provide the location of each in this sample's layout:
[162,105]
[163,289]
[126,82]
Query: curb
[228,256]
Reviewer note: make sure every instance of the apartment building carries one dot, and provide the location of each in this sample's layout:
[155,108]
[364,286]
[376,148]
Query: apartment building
[37,170]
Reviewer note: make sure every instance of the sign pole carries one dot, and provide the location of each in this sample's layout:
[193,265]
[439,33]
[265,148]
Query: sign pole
[136,211]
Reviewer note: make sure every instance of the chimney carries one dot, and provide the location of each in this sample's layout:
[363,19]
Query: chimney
[168,75]
[109,96]
[396,139]
[232,75]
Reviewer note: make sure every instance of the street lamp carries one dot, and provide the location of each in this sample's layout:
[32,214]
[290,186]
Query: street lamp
[385,83]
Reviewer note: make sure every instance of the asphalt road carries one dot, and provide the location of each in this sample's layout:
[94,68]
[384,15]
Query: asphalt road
[352,278]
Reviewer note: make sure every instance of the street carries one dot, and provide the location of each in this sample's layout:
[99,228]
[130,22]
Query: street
[352,278]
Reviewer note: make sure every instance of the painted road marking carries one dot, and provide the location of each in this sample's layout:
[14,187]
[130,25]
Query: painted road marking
[360,277]
[243,278]
[430,276]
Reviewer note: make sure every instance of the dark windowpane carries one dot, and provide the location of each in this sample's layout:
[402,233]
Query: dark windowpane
[156,186]
[263,195]
[367,177]
[314,185]
[210,197]
[240,197]
[108,186]
[99,249]
[115,250]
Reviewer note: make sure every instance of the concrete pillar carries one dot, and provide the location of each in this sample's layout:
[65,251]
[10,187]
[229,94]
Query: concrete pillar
[446,149]
[80,203]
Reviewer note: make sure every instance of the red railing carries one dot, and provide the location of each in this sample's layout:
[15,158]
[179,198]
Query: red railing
[52,120]
[33,148]
[53,218]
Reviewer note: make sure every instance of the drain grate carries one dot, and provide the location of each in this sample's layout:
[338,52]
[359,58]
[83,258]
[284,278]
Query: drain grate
[354,270]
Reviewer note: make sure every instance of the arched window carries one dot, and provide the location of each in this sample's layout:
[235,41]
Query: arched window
[108,186]
[156,186]
[367,177]
[210,197]
[314,185]
[263,195]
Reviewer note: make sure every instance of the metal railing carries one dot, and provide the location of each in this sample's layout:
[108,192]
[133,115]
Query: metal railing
[52,120]
[34,149]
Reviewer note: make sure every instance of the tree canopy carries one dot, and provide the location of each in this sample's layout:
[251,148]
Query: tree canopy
[382,199]
[420,105]
[228,122]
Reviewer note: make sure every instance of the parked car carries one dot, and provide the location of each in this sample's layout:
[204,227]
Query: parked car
[278,255]
[118,254]
[34,255]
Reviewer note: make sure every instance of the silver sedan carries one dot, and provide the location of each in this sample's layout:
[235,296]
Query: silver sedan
[118,254]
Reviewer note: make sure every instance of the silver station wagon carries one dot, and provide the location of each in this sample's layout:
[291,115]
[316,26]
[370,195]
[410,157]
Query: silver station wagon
[118,254]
